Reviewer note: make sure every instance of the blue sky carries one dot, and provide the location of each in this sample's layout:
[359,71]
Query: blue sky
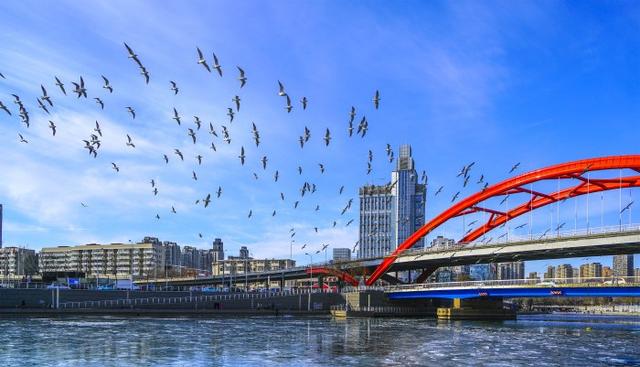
[491,82]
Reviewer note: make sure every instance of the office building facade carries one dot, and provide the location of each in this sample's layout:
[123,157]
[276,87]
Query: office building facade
[390,213]
[15,261]
[623,265]
[341,254]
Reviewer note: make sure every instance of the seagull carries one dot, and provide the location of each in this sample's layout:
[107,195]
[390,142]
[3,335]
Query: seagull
[439,190]
[196,120]
[157,216]
[130,142]
[288,107]
[455,196]
[504,200]
[230,114]
[194,176]
[281,91]
[276,176]
[207,200]
[153,183]
[42,106]
[282,196]
[52,126]
[60,85]
[176,116]
[45,97]
[521,226]
[236,100]
[22,139]
[166,158]
[242,156]
[106,85]
[242,78]
[213,146]
[174,87]
[3,107]
[352,114]
[84,205]
[626,207]
[219,192]
[304,102]
[350,128]
[80,89]
[201,60]
[349,222]
[144,73]
[155,191]
[341,190]
[295,205]
[321,167]
[132,54]
[192,134]
[216,64]
[299,170]
[515,167]
[327,137]
[250,214]
[264,162]
[376,99]
[115,167]
[173,209]
[99,101]
[179,153]
[199,158]
[131,111]
[212,131]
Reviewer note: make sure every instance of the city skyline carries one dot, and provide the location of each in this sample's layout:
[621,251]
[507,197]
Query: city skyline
[457,105]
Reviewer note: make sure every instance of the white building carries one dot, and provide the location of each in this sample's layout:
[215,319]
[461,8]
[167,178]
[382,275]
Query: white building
[15,261]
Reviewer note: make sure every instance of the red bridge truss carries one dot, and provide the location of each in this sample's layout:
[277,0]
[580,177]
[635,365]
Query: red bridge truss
[572,171]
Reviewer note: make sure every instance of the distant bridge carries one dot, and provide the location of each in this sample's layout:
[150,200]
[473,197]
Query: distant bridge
[621,240]
[572,287]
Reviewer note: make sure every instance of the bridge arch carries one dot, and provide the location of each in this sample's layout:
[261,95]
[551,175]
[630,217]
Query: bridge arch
[570,170]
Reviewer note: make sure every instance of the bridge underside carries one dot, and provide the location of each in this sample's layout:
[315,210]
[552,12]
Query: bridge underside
[519,292]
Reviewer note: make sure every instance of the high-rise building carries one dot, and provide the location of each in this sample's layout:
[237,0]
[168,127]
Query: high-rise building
[441,243]
[533,275]
[390,213]
[16,261]
[172,254]
[341,254]
[637,273]
[550,273]
[244,252]
[590,271]
[218,250]
[481,272]
[510,270]
[607,272]
[564,271]
[623,265]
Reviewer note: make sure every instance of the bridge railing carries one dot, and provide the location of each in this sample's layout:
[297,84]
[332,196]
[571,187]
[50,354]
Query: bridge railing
[550,283]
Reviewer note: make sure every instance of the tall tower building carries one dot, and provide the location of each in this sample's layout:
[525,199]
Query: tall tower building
[218,250]
[390,213]
[623,265]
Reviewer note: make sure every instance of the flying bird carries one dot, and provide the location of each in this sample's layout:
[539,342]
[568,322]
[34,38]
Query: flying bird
[242,156]
[207,200]
[439,190]
[281,91]
[626,207]
[52,126]
[216,65]
[192,134]
[242,78]
[45,97]
[455,196]
[288,107]
[174,87]
[219,192]
[176,116]
[42,106]
[106,85]
[22,139]
[179,154]
[131,111]
[3,107]
[60,85]
[115,167]
[130,142]
[376,99]
[304,102]
[236,100]
[80,89]
[515,167]
[327,137]
[202,61]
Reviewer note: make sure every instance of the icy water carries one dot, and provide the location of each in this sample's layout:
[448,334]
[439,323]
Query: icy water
[543,340]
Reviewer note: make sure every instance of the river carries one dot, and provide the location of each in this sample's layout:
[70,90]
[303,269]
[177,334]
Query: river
[533,340]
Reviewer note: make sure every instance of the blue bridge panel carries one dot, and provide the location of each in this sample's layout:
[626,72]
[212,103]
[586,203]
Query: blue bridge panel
[518,292]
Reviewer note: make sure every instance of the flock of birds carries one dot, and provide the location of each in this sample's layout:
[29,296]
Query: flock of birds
[219,135]
[222,135]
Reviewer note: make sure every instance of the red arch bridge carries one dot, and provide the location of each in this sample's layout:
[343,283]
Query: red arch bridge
[576,181]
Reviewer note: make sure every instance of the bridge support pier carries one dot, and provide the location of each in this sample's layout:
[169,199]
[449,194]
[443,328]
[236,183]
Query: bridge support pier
[476,309]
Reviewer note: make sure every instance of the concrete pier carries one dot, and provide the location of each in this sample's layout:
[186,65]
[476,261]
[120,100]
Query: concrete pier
[476,309]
